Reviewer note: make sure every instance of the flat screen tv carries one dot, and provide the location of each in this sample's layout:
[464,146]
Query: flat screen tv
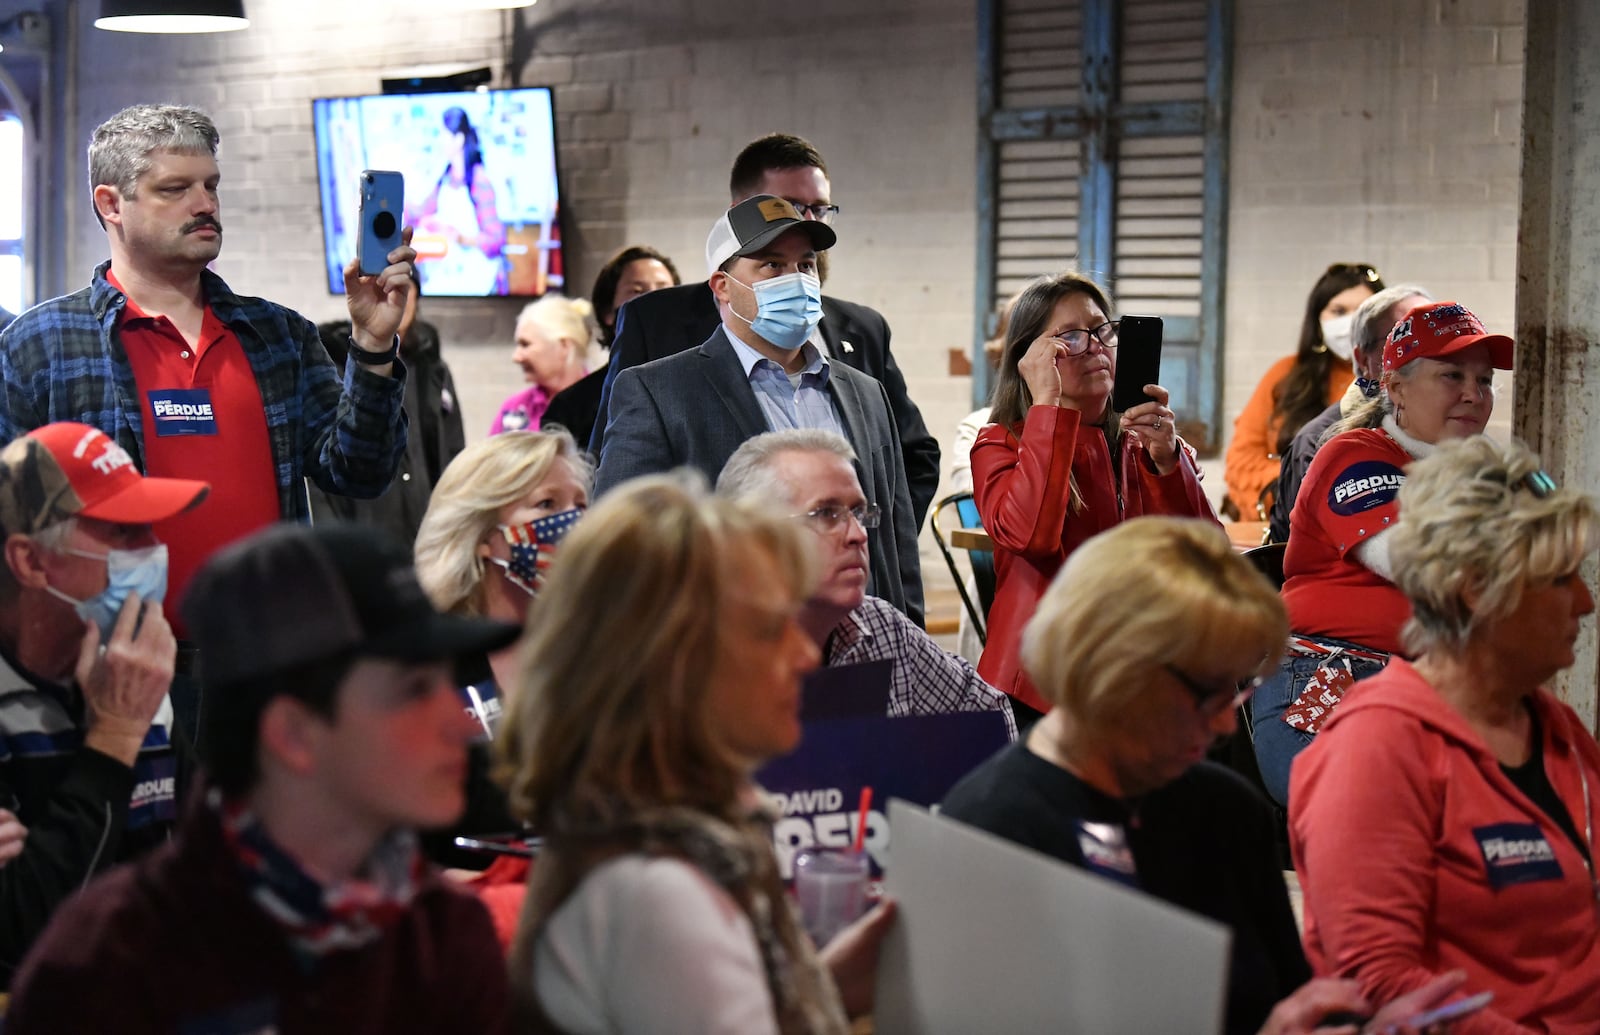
[481,188]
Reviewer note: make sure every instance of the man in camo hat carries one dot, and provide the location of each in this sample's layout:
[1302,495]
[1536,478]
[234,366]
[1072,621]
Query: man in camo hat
[86,658]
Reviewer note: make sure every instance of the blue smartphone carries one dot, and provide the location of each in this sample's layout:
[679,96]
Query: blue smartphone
[383,205]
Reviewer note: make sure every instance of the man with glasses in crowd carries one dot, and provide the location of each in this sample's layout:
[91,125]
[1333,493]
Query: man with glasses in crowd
[813,474]
[760,371]
[672,320]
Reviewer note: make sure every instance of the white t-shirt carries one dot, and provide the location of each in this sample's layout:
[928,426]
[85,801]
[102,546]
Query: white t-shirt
[650,944]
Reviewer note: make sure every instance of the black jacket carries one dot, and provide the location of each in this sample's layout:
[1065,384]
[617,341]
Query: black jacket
[672,320]
[434,438]
[77,804]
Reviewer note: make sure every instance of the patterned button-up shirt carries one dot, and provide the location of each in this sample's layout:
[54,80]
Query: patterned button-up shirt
[63,361]
[927,679]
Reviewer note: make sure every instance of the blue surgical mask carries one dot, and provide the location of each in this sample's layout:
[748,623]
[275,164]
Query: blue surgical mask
[532,543]
[142,571]
[788,308]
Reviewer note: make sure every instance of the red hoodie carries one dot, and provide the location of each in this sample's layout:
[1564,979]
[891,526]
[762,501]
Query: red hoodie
[1417,855]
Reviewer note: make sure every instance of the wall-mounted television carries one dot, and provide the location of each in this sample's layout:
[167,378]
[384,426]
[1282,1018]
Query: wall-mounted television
[481,188]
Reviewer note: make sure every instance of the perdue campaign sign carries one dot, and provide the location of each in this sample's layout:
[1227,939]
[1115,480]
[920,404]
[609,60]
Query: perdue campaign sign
[918,758]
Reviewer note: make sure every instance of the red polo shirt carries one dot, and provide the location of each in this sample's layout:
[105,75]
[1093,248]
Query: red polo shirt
[212,426]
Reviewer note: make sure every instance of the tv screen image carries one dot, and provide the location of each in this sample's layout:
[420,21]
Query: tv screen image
[481,188]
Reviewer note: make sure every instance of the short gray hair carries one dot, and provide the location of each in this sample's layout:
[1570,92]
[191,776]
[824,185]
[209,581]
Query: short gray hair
[120,150]
[1471,522]
[749,474]
[1372,313]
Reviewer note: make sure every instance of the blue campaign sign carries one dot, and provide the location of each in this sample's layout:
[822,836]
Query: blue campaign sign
[918,758]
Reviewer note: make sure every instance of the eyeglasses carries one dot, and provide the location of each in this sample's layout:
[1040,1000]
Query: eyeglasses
[1206,697]
[1367,273]
[1537,482]
[1077,339]
[821,213]
[832,517]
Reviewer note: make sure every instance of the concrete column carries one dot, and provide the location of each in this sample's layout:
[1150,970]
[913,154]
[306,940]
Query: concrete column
[1556,407]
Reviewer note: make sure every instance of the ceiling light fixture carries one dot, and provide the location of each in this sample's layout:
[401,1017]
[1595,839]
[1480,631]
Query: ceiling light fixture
[168,16]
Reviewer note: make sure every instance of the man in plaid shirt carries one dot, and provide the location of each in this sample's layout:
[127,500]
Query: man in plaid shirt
[192,380]
[812,472]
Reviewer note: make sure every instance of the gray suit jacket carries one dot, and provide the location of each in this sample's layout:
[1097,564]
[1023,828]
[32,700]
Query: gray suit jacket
[695,408]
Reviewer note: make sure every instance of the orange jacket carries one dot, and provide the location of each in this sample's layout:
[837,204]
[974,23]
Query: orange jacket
[1251,463]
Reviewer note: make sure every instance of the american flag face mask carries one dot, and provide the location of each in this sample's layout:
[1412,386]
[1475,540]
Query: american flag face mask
[532,544]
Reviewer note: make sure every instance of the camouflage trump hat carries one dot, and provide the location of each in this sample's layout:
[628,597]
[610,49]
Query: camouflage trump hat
[68,470]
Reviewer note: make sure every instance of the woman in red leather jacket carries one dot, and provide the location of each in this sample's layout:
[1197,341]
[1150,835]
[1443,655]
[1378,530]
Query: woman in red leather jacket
[1058,464]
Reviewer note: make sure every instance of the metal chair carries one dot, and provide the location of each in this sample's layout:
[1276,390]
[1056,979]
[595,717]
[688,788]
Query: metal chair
[1268,560]
[982,561]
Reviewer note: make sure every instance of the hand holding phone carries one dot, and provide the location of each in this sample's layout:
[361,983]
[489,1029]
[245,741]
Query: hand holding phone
[383,199]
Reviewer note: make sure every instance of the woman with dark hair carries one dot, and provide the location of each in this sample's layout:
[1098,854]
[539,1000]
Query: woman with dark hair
[459,233]
[1296,388]
[1058,464]
[635,270]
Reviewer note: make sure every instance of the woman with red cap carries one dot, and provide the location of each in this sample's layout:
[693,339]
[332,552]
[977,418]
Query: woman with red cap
[1344,610]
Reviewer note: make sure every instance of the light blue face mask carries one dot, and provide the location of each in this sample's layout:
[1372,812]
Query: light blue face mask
[788,308]
[142,571]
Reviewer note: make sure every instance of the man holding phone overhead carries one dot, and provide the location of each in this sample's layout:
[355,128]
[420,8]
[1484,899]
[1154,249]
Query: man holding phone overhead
[191,379]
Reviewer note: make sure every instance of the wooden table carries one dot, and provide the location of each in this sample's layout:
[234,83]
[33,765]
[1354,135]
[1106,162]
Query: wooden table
[1245,535]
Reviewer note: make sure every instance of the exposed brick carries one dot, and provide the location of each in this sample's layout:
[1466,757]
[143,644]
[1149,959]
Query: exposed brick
[548,71]
[608,126]
[581,98]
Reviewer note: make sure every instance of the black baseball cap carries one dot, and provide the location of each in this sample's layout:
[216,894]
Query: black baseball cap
[296,594]
[756,222]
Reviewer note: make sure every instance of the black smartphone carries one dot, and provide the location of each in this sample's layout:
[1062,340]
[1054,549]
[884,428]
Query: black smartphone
[1138,361]
[383,204]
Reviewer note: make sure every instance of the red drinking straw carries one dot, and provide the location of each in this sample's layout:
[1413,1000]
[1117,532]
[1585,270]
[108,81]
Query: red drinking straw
[861,821]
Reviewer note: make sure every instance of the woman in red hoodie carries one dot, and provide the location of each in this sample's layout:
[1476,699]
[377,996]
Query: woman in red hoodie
[1058,464]
[1444,818]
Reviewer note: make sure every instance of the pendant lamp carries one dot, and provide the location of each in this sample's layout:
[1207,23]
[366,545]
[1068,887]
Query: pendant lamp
[172,15]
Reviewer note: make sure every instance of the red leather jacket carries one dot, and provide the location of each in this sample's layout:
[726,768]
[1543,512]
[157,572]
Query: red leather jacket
[1020,479]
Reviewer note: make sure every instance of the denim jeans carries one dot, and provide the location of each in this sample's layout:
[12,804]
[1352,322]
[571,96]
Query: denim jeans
[1276,741]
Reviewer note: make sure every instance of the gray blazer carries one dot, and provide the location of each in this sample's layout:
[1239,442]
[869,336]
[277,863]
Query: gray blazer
[695,408]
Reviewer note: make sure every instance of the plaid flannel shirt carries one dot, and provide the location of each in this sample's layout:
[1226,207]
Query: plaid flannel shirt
[928,680]
[63,361]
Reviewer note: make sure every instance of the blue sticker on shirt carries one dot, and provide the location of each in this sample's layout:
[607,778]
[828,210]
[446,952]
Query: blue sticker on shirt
[183,411]
[1516,853]
[1106,851]
[1363,486]
[483,706]
[155,788]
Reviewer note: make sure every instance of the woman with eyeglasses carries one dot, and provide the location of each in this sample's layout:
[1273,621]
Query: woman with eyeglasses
[1058,464]
[1296,388]
[1344,608]
[1145,673]
[1445,817]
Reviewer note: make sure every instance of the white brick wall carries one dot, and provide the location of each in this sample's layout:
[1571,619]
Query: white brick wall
[1369,131]
[1377,130]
